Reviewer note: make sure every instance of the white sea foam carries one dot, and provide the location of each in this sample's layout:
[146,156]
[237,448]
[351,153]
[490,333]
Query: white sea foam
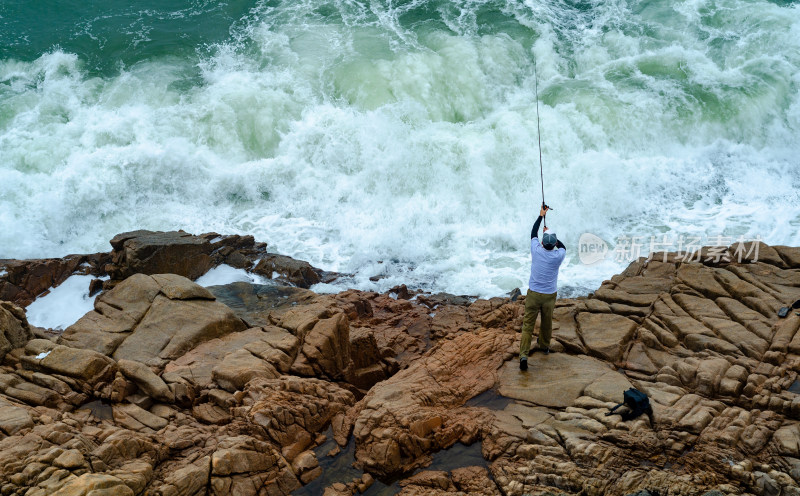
[366,147]
[225,274]
[324,288]
[63,305]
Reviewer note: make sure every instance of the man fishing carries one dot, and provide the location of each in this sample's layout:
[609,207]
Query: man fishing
[546,258]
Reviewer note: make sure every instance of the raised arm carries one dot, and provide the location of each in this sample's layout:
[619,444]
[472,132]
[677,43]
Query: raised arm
[535,230]
[559,244]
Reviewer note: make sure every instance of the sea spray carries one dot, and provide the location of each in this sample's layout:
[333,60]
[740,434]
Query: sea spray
[399,140]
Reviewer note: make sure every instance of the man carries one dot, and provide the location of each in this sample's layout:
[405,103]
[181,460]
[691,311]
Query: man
[546,258]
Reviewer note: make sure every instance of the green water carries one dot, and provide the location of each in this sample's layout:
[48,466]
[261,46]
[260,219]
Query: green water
[113,34]
[349,133]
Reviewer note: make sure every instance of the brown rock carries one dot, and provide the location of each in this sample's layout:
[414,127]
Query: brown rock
[786,335]
[790,256]
[14,419]
[495,312]
[293,410]
[24,280]
[756,251]
[95,484]
[296,272]
[13,386]
[150,252]
[638,360]
[116,314]
[365,483]
[434,479]
[733,332]
[326,348]
[14,328]
[366,377]
[435,385]
[239,368]
[188,480]
[137,321]
[364,350]
[641,285]
[616,296]
[306,467]
[144,377]
[606,335]
[141,417]
[557,380]
[236,461]
[271,344]
[788,440]
[176,287]
[211,414]
[171,328]
[474,480]
[299,321]
[86,366]
[702,341]
[70,460]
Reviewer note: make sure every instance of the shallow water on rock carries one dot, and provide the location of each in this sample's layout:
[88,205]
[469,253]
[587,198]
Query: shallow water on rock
[99,409]
[339,468]
[458,456]
[490,399]
[254,302]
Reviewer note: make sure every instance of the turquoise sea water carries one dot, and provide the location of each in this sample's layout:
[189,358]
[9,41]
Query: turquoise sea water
[399,138]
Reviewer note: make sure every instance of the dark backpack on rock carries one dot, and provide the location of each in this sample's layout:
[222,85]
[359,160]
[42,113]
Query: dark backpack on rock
[637,403]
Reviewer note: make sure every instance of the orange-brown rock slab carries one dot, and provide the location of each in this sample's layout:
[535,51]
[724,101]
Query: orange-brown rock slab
[21,281]
[605,335]
[152,320]
[292,411]
[188,480]
[95,484]
[558,379]
[14,328]
[419,410]
[151,252]
[474,480]
[326,349]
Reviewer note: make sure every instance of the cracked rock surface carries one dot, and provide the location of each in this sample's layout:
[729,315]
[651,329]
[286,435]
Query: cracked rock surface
[168,388]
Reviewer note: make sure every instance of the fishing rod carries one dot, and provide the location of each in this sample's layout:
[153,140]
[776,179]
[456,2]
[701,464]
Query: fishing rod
[539,135]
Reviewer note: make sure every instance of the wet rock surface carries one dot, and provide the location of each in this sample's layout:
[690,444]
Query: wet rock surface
[167,388]
[154,252]
[21,281]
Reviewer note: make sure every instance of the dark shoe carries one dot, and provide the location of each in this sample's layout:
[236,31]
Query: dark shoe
[523,364]
[546,351]
[783,312]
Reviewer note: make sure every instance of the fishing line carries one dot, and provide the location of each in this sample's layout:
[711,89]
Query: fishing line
[539,135]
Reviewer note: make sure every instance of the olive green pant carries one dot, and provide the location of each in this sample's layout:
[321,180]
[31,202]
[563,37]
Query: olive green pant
[534,302]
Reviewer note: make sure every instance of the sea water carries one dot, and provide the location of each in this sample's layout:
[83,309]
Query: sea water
[399,139]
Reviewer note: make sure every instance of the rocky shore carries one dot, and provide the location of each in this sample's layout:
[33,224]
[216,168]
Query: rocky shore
[169,388]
